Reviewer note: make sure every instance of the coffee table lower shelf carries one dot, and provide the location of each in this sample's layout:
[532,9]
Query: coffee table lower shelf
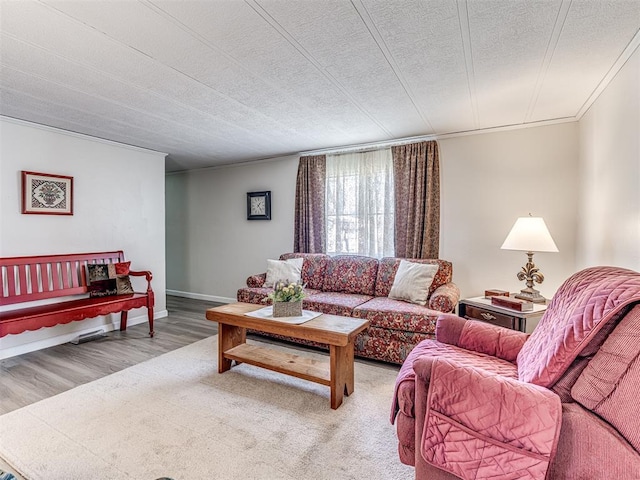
[282,362]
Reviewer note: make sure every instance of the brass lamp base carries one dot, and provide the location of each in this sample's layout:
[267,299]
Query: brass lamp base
[530,274]
[531,295]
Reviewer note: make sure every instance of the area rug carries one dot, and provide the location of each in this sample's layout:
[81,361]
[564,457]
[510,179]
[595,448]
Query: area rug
[175,416]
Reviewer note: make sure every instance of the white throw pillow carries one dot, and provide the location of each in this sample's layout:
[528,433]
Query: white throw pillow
[412,282]
[289,270]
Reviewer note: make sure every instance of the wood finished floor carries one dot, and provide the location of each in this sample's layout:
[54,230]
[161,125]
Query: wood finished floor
[28,378]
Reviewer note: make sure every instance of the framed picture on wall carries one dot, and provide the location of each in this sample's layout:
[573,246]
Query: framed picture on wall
[47,194]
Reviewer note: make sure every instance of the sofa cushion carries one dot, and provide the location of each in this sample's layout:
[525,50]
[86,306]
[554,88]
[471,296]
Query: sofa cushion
[385,312]
[123,281]
[314,268]
[609,383]
[351,274]
[389,265]
[123,285]
[101,280]
[122,268]
[582,306]
[283,270]
[334,303]
[412,282]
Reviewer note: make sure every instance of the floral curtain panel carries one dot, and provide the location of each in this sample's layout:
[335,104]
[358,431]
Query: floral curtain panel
[359,203]
[416,170]
[309,228]
[379,203]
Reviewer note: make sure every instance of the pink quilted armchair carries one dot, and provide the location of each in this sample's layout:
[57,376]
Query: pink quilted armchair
[484,402]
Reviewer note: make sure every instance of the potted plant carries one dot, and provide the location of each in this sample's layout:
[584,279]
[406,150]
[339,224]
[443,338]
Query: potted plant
[287,299]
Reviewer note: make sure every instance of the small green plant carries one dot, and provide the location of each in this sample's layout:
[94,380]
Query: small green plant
[284,291]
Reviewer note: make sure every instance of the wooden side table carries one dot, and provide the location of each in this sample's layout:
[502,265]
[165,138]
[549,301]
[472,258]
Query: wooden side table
[480,308]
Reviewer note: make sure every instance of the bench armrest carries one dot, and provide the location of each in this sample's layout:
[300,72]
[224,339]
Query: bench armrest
[480,337]
[256,281]
[445,298]
[147,274]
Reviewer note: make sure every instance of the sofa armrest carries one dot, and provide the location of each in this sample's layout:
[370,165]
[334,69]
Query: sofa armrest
[256,281]
[445,298]
[480,337]
[481,425]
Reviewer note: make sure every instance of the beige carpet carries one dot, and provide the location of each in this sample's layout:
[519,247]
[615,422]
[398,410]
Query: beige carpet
[175,416]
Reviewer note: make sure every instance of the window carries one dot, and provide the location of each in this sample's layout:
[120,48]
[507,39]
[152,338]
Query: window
[359,204]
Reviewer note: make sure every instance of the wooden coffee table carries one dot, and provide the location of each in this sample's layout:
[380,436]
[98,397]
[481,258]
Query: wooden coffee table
[337,332]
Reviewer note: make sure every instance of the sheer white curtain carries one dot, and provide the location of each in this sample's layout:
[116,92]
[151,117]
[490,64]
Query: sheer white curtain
[360,203]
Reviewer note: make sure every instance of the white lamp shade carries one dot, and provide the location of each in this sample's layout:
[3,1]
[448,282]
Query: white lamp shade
[530,234]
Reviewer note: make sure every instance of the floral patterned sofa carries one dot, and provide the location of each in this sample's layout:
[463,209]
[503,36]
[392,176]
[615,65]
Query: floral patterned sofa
[358,286]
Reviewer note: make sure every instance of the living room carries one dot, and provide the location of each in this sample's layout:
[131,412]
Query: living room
[580,173]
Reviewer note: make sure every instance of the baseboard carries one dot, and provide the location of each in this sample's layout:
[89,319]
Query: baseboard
[12,351]
[200,296]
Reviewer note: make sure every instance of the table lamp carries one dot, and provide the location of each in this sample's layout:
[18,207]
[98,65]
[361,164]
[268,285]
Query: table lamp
[530,234]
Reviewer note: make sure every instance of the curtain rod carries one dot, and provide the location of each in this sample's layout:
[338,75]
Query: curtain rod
[368,146]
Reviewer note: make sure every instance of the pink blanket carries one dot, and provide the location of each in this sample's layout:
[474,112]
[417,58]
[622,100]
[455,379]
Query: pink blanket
[483,426]
[587,303]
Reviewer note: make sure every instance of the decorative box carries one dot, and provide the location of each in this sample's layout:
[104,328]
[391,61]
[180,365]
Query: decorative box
[513,303]
[496,293]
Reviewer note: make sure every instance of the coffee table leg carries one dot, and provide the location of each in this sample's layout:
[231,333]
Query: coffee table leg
[341,373]
[229,336]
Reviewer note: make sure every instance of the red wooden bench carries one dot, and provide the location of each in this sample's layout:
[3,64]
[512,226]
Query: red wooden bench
[27,279]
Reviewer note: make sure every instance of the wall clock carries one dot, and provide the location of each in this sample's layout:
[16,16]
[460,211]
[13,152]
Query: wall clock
[259,205]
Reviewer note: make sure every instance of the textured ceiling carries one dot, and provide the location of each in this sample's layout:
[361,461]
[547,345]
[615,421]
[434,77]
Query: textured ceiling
[223,81]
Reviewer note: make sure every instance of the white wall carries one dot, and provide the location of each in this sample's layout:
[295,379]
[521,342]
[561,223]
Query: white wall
[211,246]
[488,180]
[610,175]
[118,205]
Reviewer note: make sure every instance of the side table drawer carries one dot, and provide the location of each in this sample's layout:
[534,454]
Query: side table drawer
[475,313]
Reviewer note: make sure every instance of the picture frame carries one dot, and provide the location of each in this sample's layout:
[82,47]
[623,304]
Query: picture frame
[46,194]
[259,205]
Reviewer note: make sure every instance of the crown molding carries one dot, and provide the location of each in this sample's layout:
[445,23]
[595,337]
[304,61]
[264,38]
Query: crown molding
[424,138]
[82,136]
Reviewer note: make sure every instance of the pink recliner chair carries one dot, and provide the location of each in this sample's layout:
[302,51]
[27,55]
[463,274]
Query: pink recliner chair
[484,402]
